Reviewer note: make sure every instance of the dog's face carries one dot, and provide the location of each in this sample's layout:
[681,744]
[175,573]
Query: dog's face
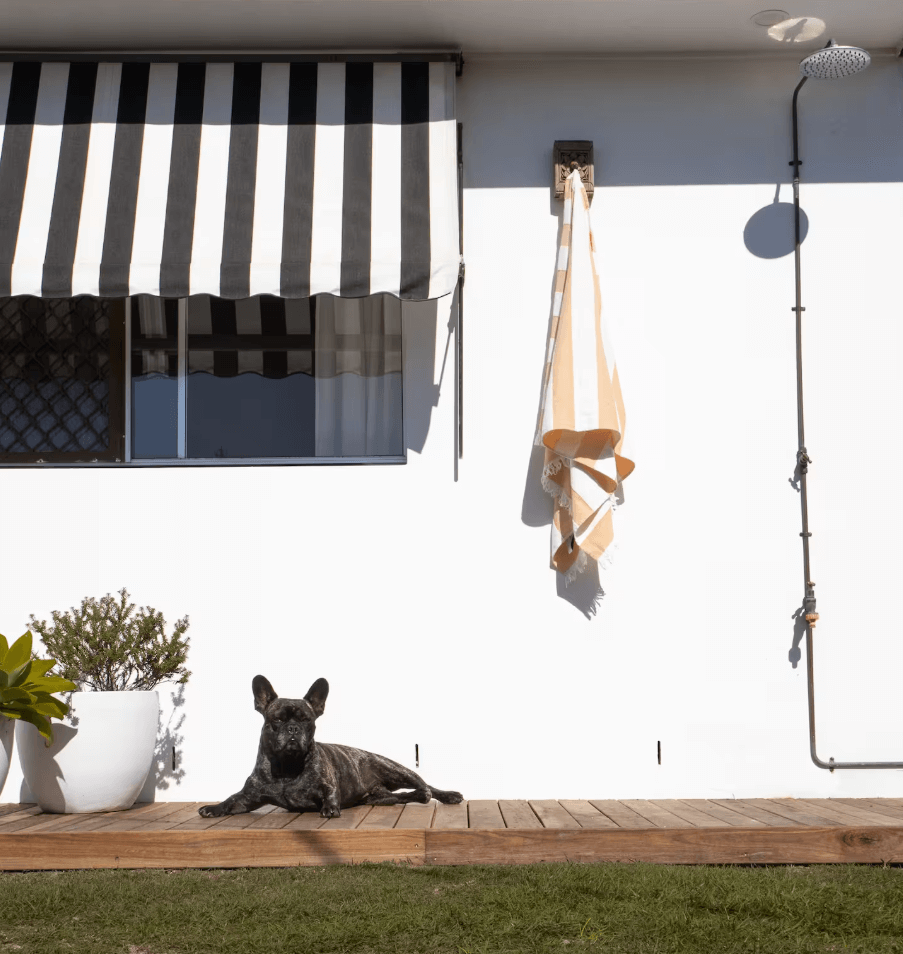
[288,724]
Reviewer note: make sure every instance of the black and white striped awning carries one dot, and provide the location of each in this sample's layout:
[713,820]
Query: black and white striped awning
[230,179]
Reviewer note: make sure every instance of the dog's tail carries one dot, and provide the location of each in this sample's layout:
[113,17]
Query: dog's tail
[447,798]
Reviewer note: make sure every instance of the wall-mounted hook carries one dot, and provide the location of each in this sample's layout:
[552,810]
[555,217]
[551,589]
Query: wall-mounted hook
[568,155]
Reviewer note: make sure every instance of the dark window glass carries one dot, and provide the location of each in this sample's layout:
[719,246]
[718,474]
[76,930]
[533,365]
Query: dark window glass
[155,370]
[251,391]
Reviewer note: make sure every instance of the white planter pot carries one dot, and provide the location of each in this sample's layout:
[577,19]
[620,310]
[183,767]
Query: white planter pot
[98,765]
[7,726]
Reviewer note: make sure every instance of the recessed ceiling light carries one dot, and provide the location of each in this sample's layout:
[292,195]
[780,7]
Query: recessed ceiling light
[797,30]
[767,18]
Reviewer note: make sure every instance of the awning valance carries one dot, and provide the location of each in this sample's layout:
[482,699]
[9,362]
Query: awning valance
[228,179]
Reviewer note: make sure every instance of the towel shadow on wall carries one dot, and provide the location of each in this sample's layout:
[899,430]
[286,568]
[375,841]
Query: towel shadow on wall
[769,233]
[585,593]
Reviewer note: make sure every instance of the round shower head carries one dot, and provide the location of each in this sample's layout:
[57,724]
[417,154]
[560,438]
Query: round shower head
[835,62]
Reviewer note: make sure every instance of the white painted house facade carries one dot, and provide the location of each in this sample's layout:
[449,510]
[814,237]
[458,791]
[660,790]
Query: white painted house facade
[418,582]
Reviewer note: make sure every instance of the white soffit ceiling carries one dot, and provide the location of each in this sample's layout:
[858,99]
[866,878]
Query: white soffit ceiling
[476,26]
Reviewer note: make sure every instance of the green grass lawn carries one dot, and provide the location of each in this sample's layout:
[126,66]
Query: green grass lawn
[624,908]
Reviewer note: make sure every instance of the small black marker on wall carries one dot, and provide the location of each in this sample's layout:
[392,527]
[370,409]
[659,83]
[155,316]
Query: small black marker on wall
[659,751]
[416,755]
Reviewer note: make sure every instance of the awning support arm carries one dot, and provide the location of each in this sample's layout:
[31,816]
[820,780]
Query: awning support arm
[459,329]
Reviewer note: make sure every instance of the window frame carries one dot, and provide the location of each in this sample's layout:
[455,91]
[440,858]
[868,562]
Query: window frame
[119,454]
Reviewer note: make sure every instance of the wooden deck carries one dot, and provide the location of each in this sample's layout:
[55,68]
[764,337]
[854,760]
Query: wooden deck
[687,831]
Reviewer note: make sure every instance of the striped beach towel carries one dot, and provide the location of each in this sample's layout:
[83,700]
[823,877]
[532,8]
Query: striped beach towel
[581,417]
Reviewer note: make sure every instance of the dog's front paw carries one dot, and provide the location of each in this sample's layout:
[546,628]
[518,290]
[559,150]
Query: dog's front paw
[330,810]
[212,811]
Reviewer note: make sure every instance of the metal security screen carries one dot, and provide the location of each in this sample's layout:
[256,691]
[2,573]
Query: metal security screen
[60,379]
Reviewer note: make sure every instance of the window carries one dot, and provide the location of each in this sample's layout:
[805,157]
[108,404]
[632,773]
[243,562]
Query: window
[207,380]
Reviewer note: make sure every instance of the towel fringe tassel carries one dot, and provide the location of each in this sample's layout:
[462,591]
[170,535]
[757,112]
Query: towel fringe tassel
[578,566]
[561,496]
[582,562]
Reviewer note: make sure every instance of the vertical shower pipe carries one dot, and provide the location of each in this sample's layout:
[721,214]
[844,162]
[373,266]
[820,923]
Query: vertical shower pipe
[803,461]
[802,458]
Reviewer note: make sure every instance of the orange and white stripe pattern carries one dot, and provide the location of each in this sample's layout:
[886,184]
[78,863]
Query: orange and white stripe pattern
[581,417]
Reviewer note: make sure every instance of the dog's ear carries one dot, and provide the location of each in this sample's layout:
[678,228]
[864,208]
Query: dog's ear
[316,696]
[264,693]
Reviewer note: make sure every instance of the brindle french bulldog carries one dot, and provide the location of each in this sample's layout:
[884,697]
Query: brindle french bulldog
[297,773]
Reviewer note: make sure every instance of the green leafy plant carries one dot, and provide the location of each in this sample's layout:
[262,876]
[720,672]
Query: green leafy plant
[106,646]
[26,686]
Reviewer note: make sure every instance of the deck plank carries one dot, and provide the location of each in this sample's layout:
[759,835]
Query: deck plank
[415,815]
[727,816]
[131,818]
[884,806]
[660,817]
[305,821]
[745,806]
[552,815]
[8,807]
[165,809]
[273,820]
[381,818]
[450,816]
[799,814]
[139,809]
[25,822]
[850,814]
[130,821]
[246,819]
[517,813]
[484,813]
[620,814]
[88,822]
[58,822]
[697,818]
[586,815]
[186,811]
[12,818]
[350,818]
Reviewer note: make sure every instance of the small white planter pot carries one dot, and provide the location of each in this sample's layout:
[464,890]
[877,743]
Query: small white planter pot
[7,727]
[98,765]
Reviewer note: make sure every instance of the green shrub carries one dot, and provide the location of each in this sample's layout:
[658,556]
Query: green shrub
[26,687]
[105,645]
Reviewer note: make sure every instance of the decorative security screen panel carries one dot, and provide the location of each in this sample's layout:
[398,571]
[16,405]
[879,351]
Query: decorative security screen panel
[61,393]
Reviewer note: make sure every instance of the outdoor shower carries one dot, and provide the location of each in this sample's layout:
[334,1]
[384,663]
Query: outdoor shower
[832,62]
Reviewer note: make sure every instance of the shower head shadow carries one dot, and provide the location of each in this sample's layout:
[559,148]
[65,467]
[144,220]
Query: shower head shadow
[835,62]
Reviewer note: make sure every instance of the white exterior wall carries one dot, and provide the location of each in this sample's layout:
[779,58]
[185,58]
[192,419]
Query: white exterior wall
[428,603]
